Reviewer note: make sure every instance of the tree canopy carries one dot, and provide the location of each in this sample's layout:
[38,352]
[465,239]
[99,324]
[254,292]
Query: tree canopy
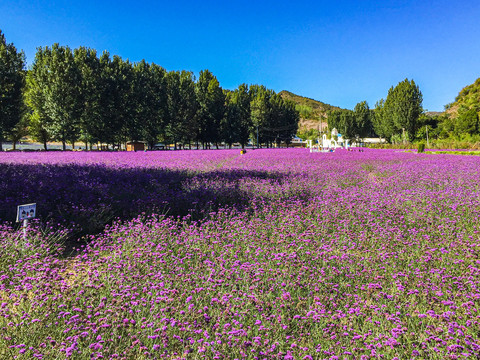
[74,95]
[12,80]
[352,124]
[399,113]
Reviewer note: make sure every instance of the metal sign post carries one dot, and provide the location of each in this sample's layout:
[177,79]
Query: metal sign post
[25,213]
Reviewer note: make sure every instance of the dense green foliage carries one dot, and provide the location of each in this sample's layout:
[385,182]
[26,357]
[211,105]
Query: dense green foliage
[310,134]
[467,122]
[211,103]
[352,124]
[457,127]
[363,119]
[181,107]
[398,115]
[12,78]
[469,97]
[75,95]
[274,119]
[455,152]
[305,111]
[308,108]
[238,122]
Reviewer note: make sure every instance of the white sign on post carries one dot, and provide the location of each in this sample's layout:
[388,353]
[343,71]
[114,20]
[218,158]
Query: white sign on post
[26,212]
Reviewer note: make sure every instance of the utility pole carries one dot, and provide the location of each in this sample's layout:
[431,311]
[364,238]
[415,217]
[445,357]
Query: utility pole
[426,129]
[319,134]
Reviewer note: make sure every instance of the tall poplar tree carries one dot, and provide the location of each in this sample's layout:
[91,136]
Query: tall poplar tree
[12,81]
[333,119]
[404,106]
[211,110]
[109,124]
[150,100]
[237,123]
[188,107]
[382,122]
[126,101]
[64,100]
[117,101]
[37,80]
[89,67]
[344,121]
[363,122]
[182,107]
[260,108]
[54,93]
[289,121]
[347,126]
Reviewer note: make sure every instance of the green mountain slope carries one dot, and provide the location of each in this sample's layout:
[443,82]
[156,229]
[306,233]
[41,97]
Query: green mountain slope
[468,97]
[313,113]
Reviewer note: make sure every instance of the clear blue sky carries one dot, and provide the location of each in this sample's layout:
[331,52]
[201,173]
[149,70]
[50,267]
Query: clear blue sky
[338,52]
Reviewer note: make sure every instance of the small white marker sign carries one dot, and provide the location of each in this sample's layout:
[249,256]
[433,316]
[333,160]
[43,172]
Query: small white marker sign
[26,212]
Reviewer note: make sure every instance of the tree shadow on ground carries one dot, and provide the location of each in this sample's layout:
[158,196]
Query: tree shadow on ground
[88,197]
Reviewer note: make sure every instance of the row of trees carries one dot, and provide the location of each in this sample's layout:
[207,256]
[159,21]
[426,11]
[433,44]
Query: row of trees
[75,95]
[352,124]
[396,117]
[466,123]
[462,126]
[401,117]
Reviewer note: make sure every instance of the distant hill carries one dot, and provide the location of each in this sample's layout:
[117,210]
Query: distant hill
[311,111]
[469,97]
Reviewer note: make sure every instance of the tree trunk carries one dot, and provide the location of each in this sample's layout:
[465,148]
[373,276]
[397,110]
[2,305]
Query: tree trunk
[14,145]
[64,145]
[45,144]
[73,145]
[1,141]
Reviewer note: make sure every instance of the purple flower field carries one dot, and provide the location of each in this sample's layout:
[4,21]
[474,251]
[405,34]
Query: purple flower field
[276,254]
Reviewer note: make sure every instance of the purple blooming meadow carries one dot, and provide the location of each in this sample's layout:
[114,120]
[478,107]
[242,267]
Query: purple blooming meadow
[275,254]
